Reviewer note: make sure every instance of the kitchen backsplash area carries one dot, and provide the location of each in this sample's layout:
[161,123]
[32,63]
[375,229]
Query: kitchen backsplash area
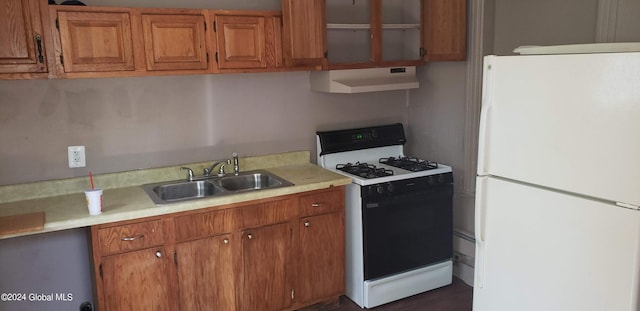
[143,122]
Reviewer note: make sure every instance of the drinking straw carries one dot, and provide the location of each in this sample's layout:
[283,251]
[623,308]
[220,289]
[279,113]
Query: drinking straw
[91,179]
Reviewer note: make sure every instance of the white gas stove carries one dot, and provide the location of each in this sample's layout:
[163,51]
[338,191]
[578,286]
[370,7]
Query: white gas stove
[398,214]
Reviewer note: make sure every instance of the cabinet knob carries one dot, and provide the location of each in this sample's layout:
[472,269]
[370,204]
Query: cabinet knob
[158,254]
[307,223]
[225,241]
[249,236]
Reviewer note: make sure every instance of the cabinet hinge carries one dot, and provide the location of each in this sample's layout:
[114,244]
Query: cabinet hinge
[326,54]
[61,60]
[293,294]
[175,258]
[57,24]
[205,26]
[216,57]
[207,57]
[215,29]
[423,52]
[100,270]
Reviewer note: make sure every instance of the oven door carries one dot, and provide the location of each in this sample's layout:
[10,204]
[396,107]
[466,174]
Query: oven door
[407,230]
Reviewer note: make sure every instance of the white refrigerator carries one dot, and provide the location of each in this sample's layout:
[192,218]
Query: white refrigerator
[558,186]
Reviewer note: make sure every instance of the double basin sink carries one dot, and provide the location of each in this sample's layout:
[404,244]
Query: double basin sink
[178,191]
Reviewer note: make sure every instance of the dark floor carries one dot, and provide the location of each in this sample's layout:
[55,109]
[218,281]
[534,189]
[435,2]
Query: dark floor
[455,297]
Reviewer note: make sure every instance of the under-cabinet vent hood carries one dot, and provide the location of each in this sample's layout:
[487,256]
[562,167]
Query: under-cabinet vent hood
[364,80]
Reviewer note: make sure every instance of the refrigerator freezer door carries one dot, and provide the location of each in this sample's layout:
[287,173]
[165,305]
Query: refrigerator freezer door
[569,122]
[546,250]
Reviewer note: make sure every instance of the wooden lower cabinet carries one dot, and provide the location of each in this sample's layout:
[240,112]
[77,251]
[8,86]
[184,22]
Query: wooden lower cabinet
[283,253]
[205,274]
[320,257]
[138,280]
[265,267]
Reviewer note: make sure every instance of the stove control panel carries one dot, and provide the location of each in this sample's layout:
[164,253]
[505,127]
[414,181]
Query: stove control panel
[407,185]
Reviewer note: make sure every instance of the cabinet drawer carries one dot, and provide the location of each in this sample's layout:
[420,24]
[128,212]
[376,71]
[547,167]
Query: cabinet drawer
[205,224]
[130,237]
[267,213]
[321,202]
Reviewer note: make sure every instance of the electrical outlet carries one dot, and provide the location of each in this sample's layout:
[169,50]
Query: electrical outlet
[76,156]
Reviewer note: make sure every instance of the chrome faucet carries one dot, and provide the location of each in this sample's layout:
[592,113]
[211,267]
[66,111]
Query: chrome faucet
[207,171]
[236,166]
[189,172]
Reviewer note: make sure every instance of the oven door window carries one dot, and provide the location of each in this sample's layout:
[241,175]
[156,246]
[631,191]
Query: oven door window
[407,231]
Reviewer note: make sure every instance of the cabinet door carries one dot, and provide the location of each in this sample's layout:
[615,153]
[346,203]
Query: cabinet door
[21,37]
[266,275]
[320,257]
[445,29]
[174,42]
[205,274]
[96,41]
[303,36]
[241,41]
[139,280]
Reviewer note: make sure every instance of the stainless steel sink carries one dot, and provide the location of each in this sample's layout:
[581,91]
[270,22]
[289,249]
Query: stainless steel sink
[178,191]
[254,180]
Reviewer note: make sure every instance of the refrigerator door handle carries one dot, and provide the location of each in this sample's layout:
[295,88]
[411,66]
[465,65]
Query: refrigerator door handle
[480,230]
[487,101]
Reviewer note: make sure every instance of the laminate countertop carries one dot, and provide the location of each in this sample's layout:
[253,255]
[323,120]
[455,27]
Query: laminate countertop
[64,203]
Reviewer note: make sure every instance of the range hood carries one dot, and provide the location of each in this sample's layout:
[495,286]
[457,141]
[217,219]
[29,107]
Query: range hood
[364,80]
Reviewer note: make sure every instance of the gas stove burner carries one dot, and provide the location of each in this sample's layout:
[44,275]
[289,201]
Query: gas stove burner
[409,163]
[364,170]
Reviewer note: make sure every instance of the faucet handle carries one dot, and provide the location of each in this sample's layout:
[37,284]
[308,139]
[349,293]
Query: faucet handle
[189,172]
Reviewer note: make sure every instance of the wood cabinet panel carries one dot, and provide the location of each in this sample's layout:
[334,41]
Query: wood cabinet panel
[200,225]
[174,42]
[322,202]
[130,237]
[22,44]
[265,257]
[205,274]
[96,41]
[241,41]
[445,29]
[267,213]
[320,257]
[139,280]
[303,36]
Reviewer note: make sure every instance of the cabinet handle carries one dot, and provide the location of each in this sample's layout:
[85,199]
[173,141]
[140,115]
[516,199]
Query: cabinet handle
[225,241]
[315,204]
[158,254]
[307,223]
[249,236]
[39,46]
[133,238]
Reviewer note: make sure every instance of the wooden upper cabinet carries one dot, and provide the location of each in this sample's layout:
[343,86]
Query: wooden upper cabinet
[96,41]
[248,40]
[445,30]
[241,41]
[303,35]
[174,42]
[22,37]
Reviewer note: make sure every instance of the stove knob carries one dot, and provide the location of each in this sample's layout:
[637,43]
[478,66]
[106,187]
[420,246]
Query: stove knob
[391,187]
[431,180]
[380,189]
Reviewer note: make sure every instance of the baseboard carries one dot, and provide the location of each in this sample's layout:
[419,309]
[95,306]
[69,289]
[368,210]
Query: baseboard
[463,256]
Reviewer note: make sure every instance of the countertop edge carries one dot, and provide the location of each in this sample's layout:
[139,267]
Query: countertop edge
[128,203]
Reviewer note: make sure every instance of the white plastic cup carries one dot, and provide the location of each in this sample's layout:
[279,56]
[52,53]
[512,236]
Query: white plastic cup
[94,201]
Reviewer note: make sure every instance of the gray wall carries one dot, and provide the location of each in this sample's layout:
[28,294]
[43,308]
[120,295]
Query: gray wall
[129,123]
